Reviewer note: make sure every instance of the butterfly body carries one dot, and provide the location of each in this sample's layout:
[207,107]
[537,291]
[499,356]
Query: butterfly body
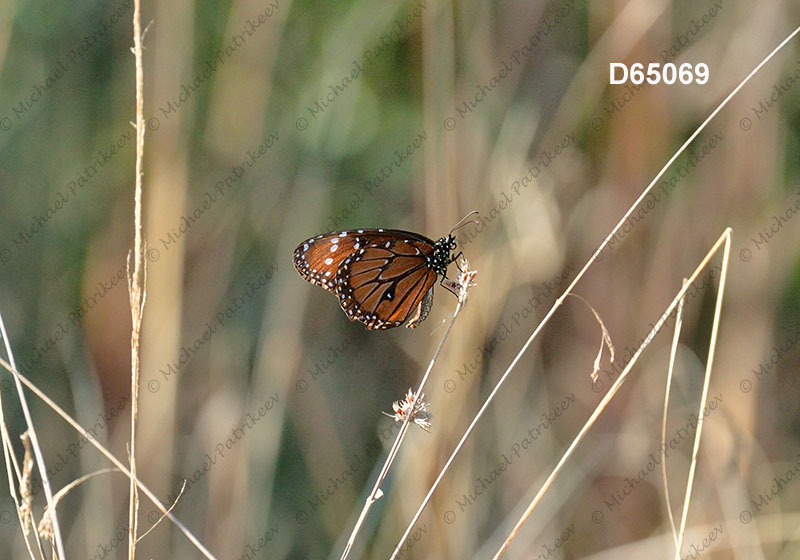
[381,277]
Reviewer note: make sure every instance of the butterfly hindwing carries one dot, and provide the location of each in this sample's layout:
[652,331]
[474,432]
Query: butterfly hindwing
[422,310]
[383,284]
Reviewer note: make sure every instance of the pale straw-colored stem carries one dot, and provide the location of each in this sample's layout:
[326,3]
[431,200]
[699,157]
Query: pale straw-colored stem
[400,436]
[136,285]
[673,352]
[706,382]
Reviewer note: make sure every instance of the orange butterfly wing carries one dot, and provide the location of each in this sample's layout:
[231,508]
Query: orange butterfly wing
[382,284]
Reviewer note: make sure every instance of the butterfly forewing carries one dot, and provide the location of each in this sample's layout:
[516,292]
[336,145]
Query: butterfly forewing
[317,259]
[382,284]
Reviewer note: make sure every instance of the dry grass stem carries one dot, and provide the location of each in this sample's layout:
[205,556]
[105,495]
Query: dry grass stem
[108,455]
[673,352]
[724,238]
[464,283]
[78,481]
[706,382]
[136,279]
[163,515]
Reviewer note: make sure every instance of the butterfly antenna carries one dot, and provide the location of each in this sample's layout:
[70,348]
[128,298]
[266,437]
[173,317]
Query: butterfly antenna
[464,221]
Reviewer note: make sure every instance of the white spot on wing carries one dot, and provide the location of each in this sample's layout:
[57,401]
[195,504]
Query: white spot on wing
[334,247]
[329,261]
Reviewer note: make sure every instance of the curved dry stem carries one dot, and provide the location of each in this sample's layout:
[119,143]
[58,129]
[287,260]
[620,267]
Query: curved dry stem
[160,519]
[605,338]
[78,481]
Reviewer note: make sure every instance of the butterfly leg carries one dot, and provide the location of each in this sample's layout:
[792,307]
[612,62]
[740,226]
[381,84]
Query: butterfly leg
[447,283]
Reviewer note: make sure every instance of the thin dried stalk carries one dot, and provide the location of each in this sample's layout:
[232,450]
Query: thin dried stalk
[724,238]
[108,455]
[160,519]
[78,481]
[136,279]
[707,381]
[673,352]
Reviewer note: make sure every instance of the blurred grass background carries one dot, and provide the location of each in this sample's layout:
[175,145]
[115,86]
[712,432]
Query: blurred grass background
[225,82]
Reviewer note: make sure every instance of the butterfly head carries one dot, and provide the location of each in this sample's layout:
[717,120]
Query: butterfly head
[442,254]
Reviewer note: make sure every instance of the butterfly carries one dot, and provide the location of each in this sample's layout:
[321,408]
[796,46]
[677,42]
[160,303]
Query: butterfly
[382,277]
